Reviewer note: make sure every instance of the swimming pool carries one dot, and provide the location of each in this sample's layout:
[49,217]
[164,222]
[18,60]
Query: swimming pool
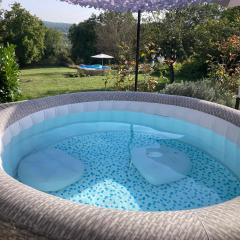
[103,135]
[94,67]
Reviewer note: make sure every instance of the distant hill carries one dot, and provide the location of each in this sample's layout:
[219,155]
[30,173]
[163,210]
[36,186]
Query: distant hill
[62,27]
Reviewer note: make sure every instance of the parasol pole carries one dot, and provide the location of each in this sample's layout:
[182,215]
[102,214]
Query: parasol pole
[137,49]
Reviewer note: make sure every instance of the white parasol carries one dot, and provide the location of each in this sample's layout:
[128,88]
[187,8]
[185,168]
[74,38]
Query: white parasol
[103,56]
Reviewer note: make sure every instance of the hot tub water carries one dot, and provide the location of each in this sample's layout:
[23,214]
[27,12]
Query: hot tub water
[104,141]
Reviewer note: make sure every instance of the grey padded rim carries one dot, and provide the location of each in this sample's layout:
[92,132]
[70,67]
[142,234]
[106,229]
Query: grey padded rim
[55,218]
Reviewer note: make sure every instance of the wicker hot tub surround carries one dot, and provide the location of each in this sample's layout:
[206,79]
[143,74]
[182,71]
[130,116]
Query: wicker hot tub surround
[26,213]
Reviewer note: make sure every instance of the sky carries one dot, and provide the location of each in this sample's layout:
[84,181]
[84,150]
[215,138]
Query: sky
[53,10]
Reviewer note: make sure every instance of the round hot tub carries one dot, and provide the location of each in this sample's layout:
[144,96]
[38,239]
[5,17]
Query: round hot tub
[115,165]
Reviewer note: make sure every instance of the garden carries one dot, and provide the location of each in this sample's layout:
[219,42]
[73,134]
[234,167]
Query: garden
[193,51]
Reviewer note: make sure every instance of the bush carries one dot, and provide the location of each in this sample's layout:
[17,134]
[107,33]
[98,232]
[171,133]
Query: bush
[161,69]
[61,60]
[9,74]
[200,89]
[192,70]
[26,32]
[205,90]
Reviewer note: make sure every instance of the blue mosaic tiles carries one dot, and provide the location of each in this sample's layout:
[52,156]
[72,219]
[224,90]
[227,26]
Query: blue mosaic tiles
[111,181]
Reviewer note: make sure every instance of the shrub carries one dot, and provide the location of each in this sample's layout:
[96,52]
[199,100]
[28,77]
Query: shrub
[9,74]
[224,81]
[198,89]
[125,70]
[226,69]
[205,90]
[192,70]
[161,69]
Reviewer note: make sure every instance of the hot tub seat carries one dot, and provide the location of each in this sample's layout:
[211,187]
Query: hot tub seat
[160,164]
[50,170]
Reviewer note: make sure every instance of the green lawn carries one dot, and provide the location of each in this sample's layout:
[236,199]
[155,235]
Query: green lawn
[41,82]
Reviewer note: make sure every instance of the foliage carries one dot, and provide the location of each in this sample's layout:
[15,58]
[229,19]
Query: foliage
[230,54]
[83,40]
[115,30]
[201,90]
[9,74]
[233,17]
[174,34]
[192,70]
[208,37]
[225,70]
[53,43]
[125,71]
[108,78]
[189,43]
[205,89]
[56,49]
[213,32]
[192,36]
[125,74]
[26,32]
[149,83]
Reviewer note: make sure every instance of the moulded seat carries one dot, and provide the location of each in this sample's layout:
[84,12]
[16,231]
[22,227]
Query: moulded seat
[160,164]
[50,170]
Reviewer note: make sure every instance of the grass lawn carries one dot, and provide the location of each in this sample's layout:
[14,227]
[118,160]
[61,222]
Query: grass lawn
[41,82]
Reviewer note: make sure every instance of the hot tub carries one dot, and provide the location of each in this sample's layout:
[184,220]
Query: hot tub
[28,212]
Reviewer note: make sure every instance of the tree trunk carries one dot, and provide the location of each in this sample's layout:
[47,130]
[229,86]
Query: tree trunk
[172,74]
[237,103]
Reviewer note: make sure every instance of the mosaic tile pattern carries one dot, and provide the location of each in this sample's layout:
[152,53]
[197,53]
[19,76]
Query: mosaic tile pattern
[111,181]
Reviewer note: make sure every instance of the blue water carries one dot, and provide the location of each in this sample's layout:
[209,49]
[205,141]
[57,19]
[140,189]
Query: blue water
[103,142]
[95,67]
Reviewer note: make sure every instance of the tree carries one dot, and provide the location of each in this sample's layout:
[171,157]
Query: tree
[26,32]
[114,31]
[170,39]
[173,33]
[83,40]
[208,37]
[9,74]
[225,70]
[233,17]
[56,48]
[53,43]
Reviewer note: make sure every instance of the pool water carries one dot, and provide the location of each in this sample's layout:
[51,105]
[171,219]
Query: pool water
[104,143]
[111,181]
[95,67]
